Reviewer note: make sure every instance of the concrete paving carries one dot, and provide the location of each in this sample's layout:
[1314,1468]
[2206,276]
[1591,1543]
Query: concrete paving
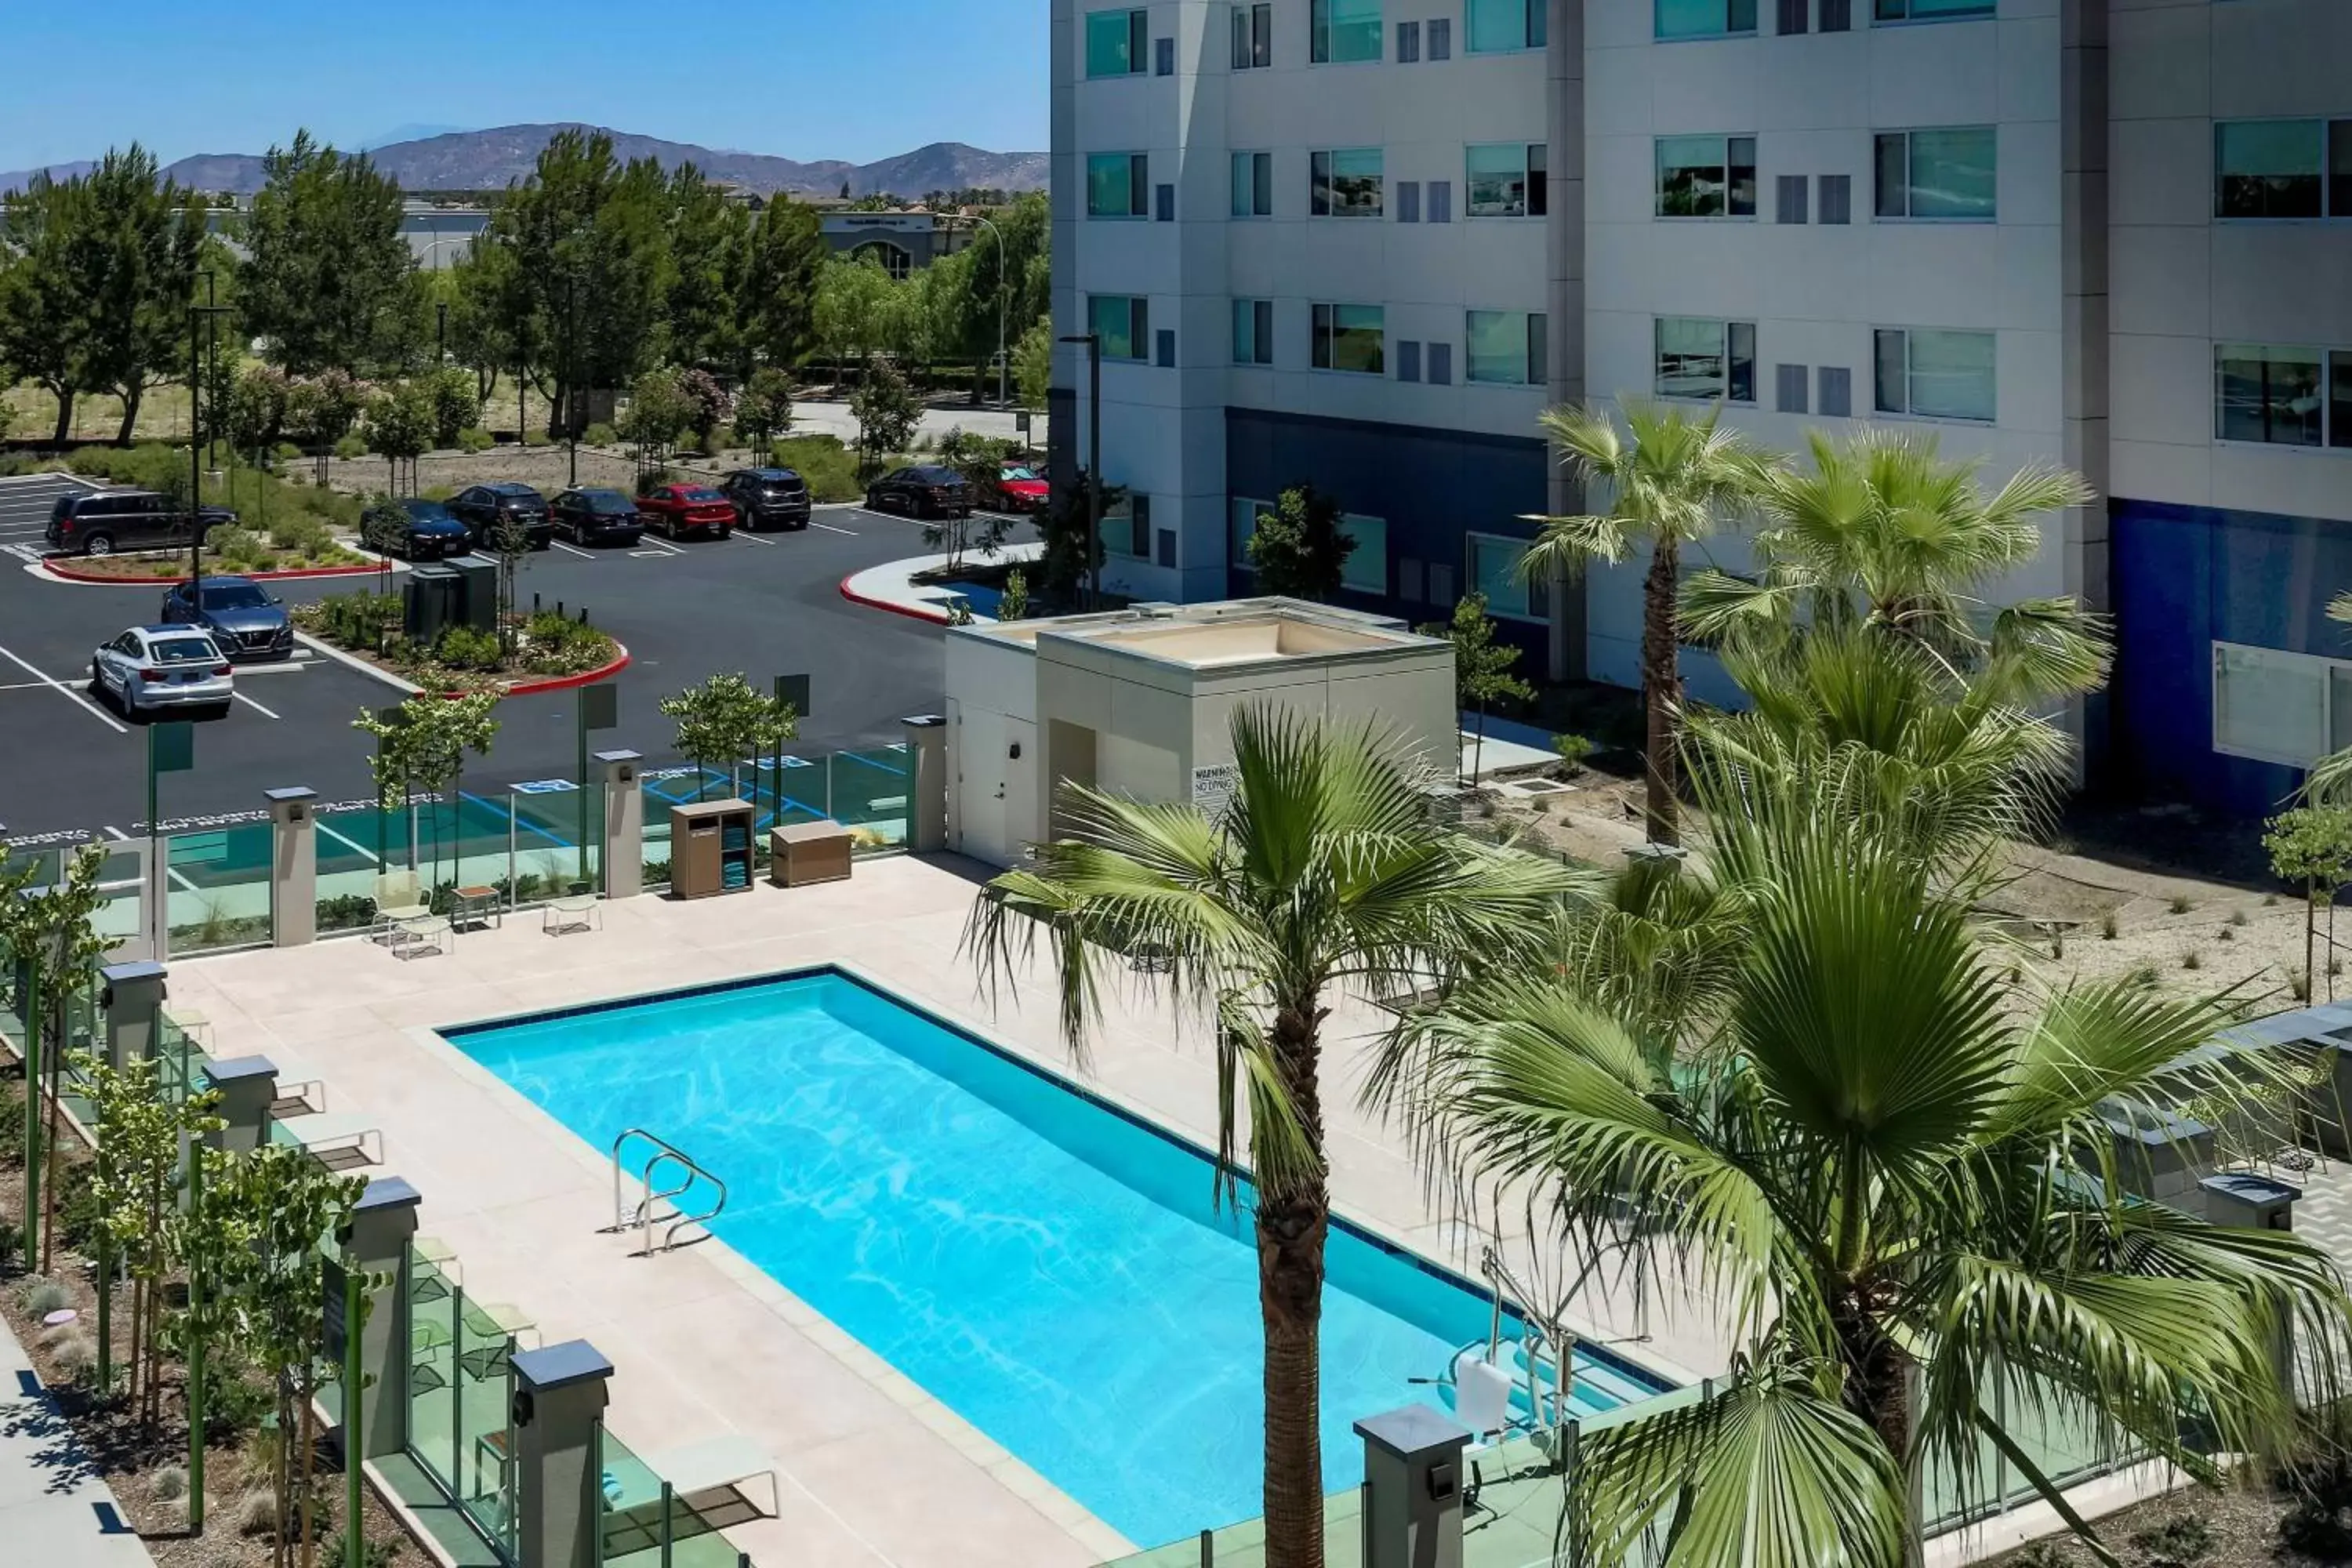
[55,1511]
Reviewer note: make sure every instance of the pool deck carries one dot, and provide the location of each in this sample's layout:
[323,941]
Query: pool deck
[871,1468]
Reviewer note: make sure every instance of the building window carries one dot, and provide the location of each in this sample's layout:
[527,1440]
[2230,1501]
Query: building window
[1163,57]
[1253,36]
[1441,363]
[1504,348]
[1707,176]
[1507,179]
[1119,185]
[1367,568]
[1790,204]
[1164,348]
[1943,173]
[1837,15]
[1253,184]
[1495,26]
[1931,10]
[1244,513]
[2282,397]
[1117,42]
[1408,201]
[1126,528]
[2279,706]
[1793,16]
[1343,32]
[1441,201]
[2282,169]
[1701,358]
[1253,332]
[1408,352]
[1407,43]
[1837,199]
[1410,580]
[1934,375]
[1440,38]
[1705,19]
[1163,203]
[1491,562]
[1351,338]
[1788,388]
[1345,183]
[1835,391]
[1123,322]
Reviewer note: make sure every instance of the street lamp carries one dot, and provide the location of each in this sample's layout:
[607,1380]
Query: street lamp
[1003,302]
[1094,464]
[196,428]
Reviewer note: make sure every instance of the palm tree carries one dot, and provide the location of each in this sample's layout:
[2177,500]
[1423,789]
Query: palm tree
[1323,872]
[1884,532]
[1890,1164]
[1673,479]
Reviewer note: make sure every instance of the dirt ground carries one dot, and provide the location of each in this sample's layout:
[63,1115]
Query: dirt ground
[2241,1525]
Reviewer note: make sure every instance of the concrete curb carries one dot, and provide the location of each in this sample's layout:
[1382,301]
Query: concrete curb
[571,682]
[65,574]
[409,687]
[935,617]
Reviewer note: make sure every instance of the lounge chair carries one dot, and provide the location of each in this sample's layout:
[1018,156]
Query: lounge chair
[338,1142]
[573,913]
[712,1487]
[424,933]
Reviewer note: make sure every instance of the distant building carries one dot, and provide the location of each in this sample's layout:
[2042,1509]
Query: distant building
[900,241]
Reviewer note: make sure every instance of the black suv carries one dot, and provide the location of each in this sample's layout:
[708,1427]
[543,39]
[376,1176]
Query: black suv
[767,498]
[101,522]
[479,508]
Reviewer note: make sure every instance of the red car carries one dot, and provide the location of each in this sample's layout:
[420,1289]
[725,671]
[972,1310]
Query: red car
[1020,489]
[674,510]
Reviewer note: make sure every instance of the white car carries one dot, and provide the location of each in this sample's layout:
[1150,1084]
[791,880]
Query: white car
[150,668]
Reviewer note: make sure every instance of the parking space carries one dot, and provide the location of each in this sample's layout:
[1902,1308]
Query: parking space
[764,604]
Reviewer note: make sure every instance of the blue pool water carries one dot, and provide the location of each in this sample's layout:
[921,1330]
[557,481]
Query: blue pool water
[1050,1268]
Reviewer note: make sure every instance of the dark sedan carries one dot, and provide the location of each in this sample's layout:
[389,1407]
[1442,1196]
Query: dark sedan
[425,531]
[480,508]
[767,498]
[248,622]
[597,517]
[926,490]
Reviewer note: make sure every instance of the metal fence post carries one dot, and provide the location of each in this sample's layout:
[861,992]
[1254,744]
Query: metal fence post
[514,871]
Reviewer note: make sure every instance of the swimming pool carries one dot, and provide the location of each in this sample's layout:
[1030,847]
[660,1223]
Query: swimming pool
[1051,1269]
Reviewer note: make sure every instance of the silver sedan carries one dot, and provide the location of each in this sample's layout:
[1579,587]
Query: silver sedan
[150,668]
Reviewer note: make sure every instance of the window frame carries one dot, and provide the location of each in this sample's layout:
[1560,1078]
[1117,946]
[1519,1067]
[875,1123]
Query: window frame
[1236,541]
[1729,354]
[1535,608]
[1534,328]
[1257,187]
[2332,389]
[1730,30]
[1349,524]
[1138,327]
[1323,179]
[1260,315]
[1910,376]
[2328,670]
[1910,185]
[1253,46]
[2333,175]
[1321,28]
[1324,332]
[1535,26]
[1139,187]
[1982,11]
[1139,42]
[1731,143]
[1534,170]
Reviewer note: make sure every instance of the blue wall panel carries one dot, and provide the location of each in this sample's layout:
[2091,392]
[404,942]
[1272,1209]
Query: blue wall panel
[2186,577]
[1434,486]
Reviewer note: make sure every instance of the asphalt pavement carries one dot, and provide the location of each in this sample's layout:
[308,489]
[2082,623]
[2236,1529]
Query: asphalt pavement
[764,604]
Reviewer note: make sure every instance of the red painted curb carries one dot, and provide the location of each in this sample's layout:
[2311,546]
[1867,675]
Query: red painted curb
[936,618]
[564,682]
[66,574]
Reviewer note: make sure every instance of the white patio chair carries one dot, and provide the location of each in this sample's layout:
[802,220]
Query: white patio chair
[397,900]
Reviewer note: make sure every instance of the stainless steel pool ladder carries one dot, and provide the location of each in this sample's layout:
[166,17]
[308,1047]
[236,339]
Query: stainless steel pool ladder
[664,1153]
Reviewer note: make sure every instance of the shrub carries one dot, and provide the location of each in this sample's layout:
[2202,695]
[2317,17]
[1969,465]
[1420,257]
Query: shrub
[357,621]
[287,452]
[599,434]
[2181,1541]
[373,1554]
[830,468]
[474,439]
[2107,926]
[351,447]
[256,1512]
[43,1297]
[168,1484]
[2182,903]
[2319,1525]
[557,645]
[1572,750]
[302,535]
[79,1213]
[537,438]
[465,647]
[238,1404]
[76,1355]
[346,912]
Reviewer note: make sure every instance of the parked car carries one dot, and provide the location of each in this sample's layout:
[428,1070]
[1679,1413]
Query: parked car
[597,517]
[767,498]
[674,511]
[150,668]
[926,490]
[1020,488]
[480,508]
[247,620]
[429,532]
[99,522]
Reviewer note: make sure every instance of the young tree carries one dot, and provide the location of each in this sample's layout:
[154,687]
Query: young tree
[783,255]
[852,315]
[509,539]
[711,405]
[2312,845]
[1300,549]
[981,461]
[660,413]
[764,410]
[50,933]
[400,425]
[423,744]
[888,412]
[320,411]
[1033,365]
[1014,606]
[1673,479]
[259,402]
[708,234]
[1074,546]
[1482,667]
[1325,869]
[45,303]
[726,720]
[329,273]
[457,403]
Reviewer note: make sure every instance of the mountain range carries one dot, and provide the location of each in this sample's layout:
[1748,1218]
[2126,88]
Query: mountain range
[488,160]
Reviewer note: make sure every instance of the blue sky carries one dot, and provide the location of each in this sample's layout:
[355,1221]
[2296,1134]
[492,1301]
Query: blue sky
[798,79]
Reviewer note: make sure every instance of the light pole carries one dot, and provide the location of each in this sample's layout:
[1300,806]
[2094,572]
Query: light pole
[441,337]
[1003,302]
[1094,464]
[207,312]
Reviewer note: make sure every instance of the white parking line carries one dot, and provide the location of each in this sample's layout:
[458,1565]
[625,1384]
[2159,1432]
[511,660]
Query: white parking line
[570,550]
[249,702]
[750,538]
[67,692]
[830,529]
[118,833]
[661,544]
[348,844]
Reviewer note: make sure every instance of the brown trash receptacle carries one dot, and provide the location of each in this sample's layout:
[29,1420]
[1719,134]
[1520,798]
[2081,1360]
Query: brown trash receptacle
[710,849]
[806,852]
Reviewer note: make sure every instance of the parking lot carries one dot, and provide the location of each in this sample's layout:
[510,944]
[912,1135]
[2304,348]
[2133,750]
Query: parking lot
[765,604]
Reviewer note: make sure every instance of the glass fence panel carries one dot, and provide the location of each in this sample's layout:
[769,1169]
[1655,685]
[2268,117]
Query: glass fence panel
[355,848]
[216,885]
[643,1530]
[2057,1433]
[482,1434]
[556,839]
[122,880]
[870,794]
[433,1304]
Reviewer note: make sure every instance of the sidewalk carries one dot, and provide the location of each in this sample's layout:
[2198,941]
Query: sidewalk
[54,1510]
[891,586]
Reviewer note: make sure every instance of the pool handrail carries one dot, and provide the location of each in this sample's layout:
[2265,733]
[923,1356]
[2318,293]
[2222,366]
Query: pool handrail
[665,1153]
